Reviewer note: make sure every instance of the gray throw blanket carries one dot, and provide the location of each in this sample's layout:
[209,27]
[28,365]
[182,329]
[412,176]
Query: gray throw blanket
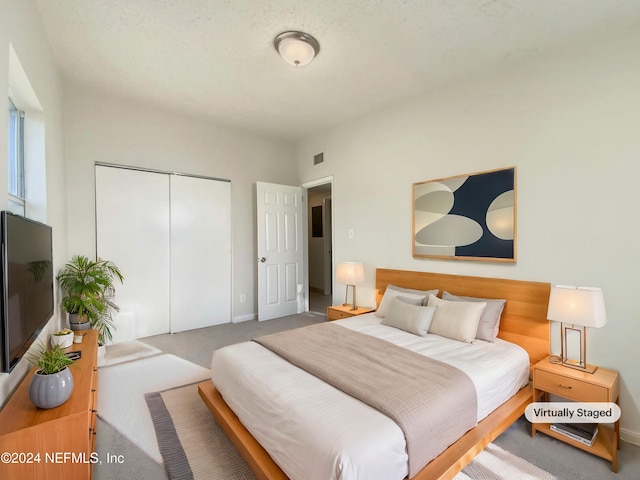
[433,403]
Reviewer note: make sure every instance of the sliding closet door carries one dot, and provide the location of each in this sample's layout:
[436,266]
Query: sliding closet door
[132,230]
[200,252]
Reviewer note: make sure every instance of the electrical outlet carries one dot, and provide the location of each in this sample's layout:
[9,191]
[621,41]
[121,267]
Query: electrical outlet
[243,298]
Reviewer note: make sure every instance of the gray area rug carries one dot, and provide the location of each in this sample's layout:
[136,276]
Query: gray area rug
[191,442]
[194,446]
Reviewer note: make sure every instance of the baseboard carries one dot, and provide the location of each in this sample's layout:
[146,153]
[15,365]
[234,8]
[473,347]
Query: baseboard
[630,436]
[244,318]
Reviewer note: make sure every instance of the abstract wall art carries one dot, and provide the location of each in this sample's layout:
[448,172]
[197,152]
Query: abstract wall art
[466,217]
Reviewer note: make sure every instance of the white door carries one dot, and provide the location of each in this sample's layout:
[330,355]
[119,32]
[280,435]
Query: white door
[200,252]
[132,230]
[280,250]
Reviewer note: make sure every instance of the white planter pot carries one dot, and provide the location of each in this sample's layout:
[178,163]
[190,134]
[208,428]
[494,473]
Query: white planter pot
[102,352]
[64,341]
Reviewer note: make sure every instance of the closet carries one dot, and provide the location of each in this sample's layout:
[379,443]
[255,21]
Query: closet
[170,235]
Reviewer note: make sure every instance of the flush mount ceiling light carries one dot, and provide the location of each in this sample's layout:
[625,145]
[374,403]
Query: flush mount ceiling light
[297,48]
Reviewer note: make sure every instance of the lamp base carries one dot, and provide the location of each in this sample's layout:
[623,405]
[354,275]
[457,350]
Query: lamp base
[346,293]
[353,307]
[579,366]
[579,333]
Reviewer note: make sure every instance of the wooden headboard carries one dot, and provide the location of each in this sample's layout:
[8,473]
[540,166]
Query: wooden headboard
[524,319]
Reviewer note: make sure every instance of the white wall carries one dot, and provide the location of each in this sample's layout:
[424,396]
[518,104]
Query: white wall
[569,121]
[21,27]
[100,128]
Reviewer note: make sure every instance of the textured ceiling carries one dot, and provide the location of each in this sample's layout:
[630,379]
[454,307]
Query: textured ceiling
[216,57]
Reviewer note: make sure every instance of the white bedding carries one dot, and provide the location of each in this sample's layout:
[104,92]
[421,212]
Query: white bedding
[315,432]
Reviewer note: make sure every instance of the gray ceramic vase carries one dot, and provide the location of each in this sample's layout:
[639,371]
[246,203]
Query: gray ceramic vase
[75,325]
[50,391]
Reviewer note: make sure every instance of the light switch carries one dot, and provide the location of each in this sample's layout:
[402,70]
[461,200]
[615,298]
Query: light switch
[350,233]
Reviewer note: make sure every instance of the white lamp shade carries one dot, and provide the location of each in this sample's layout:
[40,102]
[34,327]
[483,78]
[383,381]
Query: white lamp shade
[577,305]
[350,273]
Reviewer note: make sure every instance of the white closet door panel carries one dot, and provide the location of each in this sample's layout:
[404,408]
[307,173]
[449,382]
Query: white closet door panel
[200,252]
[132,230]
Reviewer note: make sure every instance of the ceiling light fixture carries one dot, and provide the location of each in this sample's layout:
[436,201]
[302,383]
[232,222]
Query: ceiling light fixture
[297,48]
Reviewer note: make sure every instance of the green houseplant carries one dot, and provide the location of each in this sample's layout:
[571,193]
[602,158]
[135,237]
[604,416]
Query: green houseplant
[52,384]
[89,288]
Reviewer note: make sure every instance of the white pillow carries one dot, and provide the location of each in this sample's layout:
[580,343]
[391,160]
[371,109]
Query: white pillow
[414,319]
[456,320]
[392,291]
[489,323]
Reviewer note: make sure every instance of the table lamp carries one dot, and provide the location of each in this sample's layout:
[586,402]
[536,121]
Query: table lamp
[576,308]
[350,273]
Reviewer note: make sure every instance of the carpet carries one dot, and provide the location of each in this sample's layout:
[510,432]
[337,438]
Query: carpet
[121,391]
[127,351]
[194,446]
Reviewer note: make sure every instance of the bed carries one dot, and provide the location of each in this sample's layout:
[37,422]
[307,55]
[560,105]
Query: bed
[522,323]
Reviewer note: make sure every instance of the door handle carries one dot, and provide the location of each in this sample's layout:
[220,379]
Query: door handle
[262,259]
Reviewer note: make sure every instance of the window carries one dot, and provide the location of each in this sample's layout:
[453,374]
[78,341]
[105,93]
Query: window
[26,165]
[16,158]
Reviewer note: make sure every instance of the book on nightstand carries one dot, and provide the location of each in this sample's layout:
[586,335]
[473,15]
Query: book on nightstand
[582,432]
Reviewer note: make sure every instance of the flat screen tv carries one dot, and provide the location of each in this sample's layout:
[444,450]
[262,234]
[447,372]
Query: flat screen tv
[27,284]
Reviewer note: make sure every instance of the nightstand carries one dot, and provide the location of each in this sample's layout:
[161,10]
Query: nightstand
[337,312]
[601,386]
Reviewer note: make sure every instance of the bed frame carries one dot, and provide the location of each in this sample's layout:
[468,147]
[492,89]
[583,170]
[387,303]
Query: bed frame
[523,322]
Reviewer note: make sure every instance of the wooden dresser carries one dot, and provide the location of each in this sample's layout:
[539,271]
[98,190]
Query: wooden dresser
[57,443]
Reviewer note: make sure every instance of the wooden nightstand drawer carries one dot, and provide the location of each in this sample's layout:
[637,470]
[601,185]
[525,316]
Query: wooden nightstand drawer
[569,387]
[337,314]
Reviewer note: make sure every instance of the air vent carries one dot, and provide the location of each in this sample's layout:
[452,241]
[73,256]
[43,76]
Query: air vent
[319,158]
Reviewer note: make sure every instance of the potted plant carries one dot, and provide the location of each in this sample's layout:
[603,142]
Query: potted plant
[64,338]
[89,288]
[52,384]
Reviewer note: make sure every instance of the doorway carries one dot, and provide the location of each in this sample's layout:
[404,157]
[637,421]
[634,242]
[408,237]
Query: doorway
[320,246]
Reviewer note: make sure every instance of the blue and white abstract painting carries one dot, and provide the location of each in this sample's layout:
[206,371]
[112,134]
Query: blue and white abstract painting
[467,217]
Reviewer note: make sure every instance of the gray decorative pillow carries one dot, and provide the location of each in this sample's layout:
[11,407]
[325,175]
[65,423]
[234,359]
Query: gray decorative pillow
[392,291]
[489,320]
[424,293]
[414,319]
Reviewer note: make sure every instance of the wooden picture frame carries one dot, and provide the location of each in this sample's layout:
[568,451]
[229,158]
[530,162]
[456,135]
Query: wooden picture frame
[466,217]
